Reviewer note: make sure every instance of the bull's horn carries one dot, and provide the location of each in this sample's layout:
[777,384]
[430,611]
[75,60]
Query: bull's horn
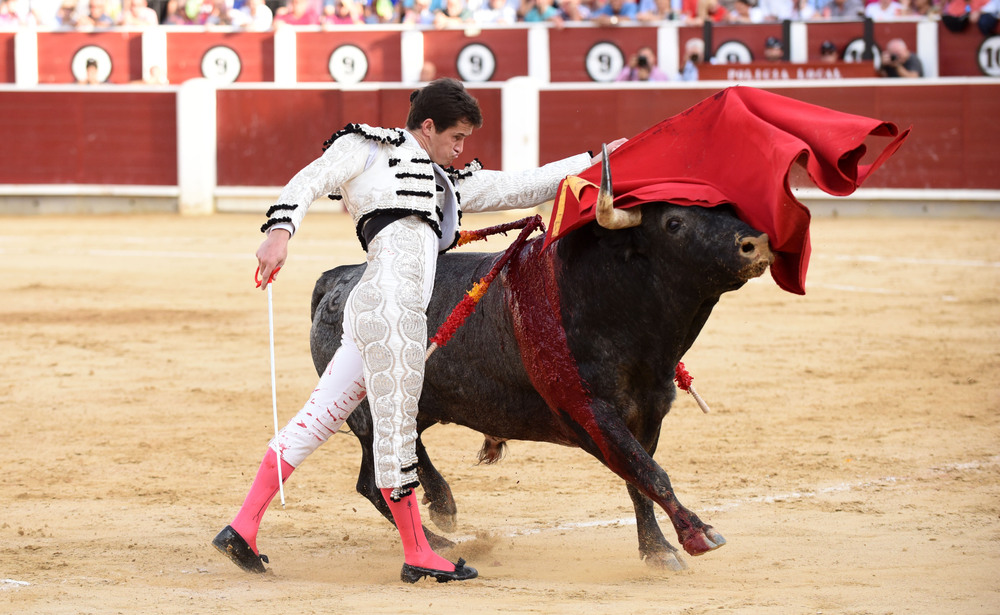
[607,215]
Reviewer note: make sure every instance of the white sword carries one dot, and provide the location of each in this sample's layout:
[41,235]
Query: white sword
[274,390]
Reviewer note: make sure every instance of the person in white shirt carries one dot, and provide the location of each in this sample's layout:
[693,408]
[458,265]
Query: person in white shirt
[884,10]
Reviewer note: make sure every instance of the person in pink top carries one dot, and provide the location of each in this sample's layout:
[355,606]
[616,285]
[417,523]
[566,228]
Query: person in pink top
[298,13]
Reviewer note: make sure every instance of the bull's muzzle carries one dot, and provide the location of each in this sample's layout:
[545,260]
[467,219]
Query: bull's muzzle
[758,255]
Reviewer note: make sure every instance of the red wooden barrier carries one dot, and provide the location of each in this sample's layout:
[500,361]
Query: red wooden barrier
[580,54]
[224,57]
[349,56]
[488,55]
[62,56]
[7,74]
[266,136]
[81,137]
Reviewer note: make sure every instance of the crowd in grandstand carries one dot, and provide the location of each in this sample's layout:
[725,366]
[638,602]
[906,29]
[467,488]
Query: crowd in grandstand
[263,15]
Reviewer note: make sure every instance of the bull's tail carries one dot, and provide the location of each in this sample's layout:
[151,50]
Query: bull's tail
[493,449]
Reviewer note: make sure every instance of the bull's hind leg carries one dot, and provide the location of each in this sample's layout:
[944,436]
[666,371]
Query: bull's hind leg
[653,546]
[437,493]
[360,423]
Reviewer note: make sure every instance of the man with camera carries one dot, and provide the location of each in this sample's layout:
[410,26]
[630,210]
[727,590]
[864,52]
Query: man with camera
[642,67]
[897,61]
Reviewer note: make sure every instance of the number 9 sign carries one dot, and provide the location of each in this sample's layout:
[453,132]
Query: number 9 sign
[348,64]
[476,63]
[221,65]
[604,62]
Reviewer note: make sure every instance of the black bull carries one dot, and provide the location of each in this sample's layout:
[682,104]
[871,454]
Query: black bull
[631,302]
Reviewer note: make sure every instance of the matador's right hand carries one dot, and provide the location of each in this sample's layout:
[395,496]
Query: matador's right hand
[271,255]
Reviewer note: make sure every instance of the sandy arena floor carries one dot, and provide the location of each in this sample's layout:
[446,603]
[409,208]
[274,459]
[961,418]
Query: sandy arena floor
[852,458]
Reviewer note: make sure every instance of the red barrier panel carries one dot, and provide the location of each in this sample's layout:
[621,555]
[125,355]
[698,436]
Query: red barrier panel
[266,136]
[594,54]
[7,73]
[62,56]
[80,137]
[962,53]
[488,55]
[223,57]
[950,146]
[348,56]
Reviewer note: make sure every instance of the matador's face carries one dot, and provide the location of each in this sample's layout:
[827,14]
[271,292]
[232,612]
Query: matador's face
[445,146]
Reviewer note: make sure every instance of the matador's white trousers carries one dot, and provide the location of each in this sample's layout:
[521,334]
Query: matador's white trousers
[382,352]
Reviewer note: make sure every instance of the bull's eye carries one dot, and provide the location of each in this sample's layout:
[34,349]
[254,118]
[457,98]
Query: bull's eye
[673,225]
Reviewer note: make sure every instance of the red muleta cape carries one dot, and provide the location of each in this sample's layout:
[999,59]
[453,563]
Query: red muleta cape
[737,147]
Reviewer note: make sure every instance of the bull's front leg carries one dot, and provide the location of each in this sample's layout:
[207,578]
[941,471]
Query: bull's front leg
[607,438]
[653,546]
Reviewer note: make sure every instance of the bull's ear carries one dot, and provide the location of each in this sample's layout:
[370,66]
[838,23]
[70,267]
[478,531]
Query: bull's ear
[607,215]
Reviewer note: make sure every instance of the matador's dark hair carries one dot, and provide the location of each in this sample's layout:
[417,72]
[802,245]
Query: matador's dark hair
[446,102]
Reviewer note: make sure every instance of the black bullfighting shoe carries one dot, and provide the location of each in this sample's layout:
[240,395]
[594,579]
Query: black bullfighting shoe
[233,546]
[412,574]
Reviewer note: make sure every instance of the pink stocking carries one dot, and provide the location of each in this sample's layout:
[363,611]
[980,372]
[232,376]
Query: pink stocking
[262,491]
[416,551]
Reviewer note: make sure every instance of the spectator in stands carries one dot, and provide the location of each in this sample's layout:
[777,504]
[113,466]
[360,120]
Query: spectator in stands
[297,13]
[97,18]
[341,13]
[922,8]
[419,13]
[66,16]
[220,14]
[254,16]
[454,14]
[642,67]
[694,54]
[15,15]
[428,71]
[176,14]
[498,12]
[774,50]
[989,18]
[615,12]
[575,10]
[688,14]
[897,61]
[91,77]
[843,9]
[745,11]
[805,10]
[828,52]
[777,10]
[654,11]
[542,10]
[155,76]
[710,11]
[137,14]
[884,10]
[956,15]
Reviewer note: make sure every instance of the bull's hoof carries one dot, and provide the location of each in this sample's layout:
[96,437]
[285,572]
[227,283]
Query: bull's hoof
[443,514]
[666,560]
[701,542]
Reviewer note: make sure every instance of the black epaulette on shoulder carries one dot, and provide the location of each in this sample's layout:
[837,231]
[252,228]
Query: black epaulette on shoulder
[390,136]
